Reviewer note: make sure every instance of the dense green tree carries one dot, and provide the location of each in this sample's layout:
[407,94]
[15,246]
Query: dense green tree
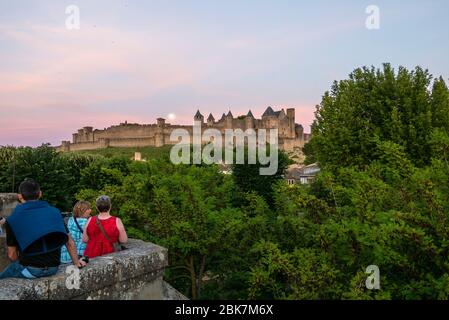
[248,178]
[7,160]
[103,172]
[185,208]
[57,174]
[378,105]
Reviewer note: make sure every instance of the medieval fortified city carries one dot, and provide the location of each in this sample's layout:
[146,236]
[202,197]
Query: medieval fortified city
[291,134]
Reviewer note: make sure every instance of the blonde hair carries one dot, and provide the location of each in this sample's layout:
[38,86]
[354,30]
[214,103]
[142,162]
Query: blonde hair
[80,208]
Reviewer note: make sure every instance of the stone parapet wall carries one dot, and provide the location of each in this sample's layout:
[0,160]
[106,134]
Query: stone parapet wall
[8,201]
[291,144]
[132,142]
[84,146]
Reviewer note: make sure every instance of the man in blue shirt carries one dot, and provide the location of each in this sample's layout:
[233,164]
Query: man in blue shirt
[35,233]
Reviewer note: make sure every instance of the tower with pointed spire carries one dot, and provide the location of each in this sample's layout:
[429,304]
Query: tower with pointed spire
[268,113]
[249,120]
[198,117]
[229,120]
[210,120]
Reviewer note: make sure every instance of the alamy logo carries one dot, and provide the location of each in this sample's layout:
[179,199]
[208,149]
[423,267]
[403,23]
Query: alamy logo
[372,22]
[73,21]
[208,147]
[72,282]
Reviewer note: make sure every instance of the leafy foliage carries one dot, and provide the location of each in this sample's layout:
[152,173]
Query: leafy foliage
[57,174]
[248,178]
[379,105]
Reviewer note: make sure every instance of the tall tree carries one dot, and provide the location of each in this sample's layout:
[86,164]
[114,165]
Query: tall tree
[378,105]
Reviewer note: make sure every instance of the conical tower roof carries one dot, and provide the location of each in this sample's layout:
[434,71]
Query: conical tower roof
[198,114]
[268,112]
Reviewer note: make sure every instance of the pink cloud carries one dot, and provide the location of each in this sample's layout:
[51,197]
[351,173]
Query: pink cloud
[64,62]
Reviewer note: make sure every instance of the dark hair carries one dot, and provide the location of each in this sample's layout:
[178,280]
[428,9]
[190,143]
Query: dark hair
[103,204]
[29,189]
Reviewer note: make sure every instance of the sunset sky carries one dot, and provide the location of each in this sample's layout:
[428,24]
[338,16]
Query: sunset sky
[140,60]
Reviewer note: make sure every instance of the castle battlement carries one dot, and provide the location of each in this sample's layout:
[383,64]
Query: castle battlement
[291,134]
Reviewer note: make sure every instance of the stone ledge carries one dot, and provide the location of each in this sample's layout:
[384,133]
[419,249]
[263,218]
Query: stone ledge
[135,273]
[10,197]
[171,293]
[8,201]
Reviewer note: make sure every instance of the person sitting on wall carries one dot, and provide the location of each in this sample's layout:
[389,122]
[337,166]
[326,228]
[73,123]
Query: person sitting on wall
[35,233]
[75,225]
[103,233]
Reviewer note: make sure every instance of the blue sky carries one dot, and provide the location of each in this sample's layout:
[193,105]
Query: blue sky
[140,60]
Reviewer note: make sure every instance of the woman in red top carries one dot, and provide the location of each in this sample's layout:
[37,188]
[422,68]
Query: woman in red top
[97,243]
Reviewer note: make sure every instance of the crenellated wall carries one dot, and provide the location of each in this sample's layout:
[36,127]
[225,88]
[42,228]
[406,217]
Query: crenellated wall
[133,274]
[157,135]
[291,144]
[132,142]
